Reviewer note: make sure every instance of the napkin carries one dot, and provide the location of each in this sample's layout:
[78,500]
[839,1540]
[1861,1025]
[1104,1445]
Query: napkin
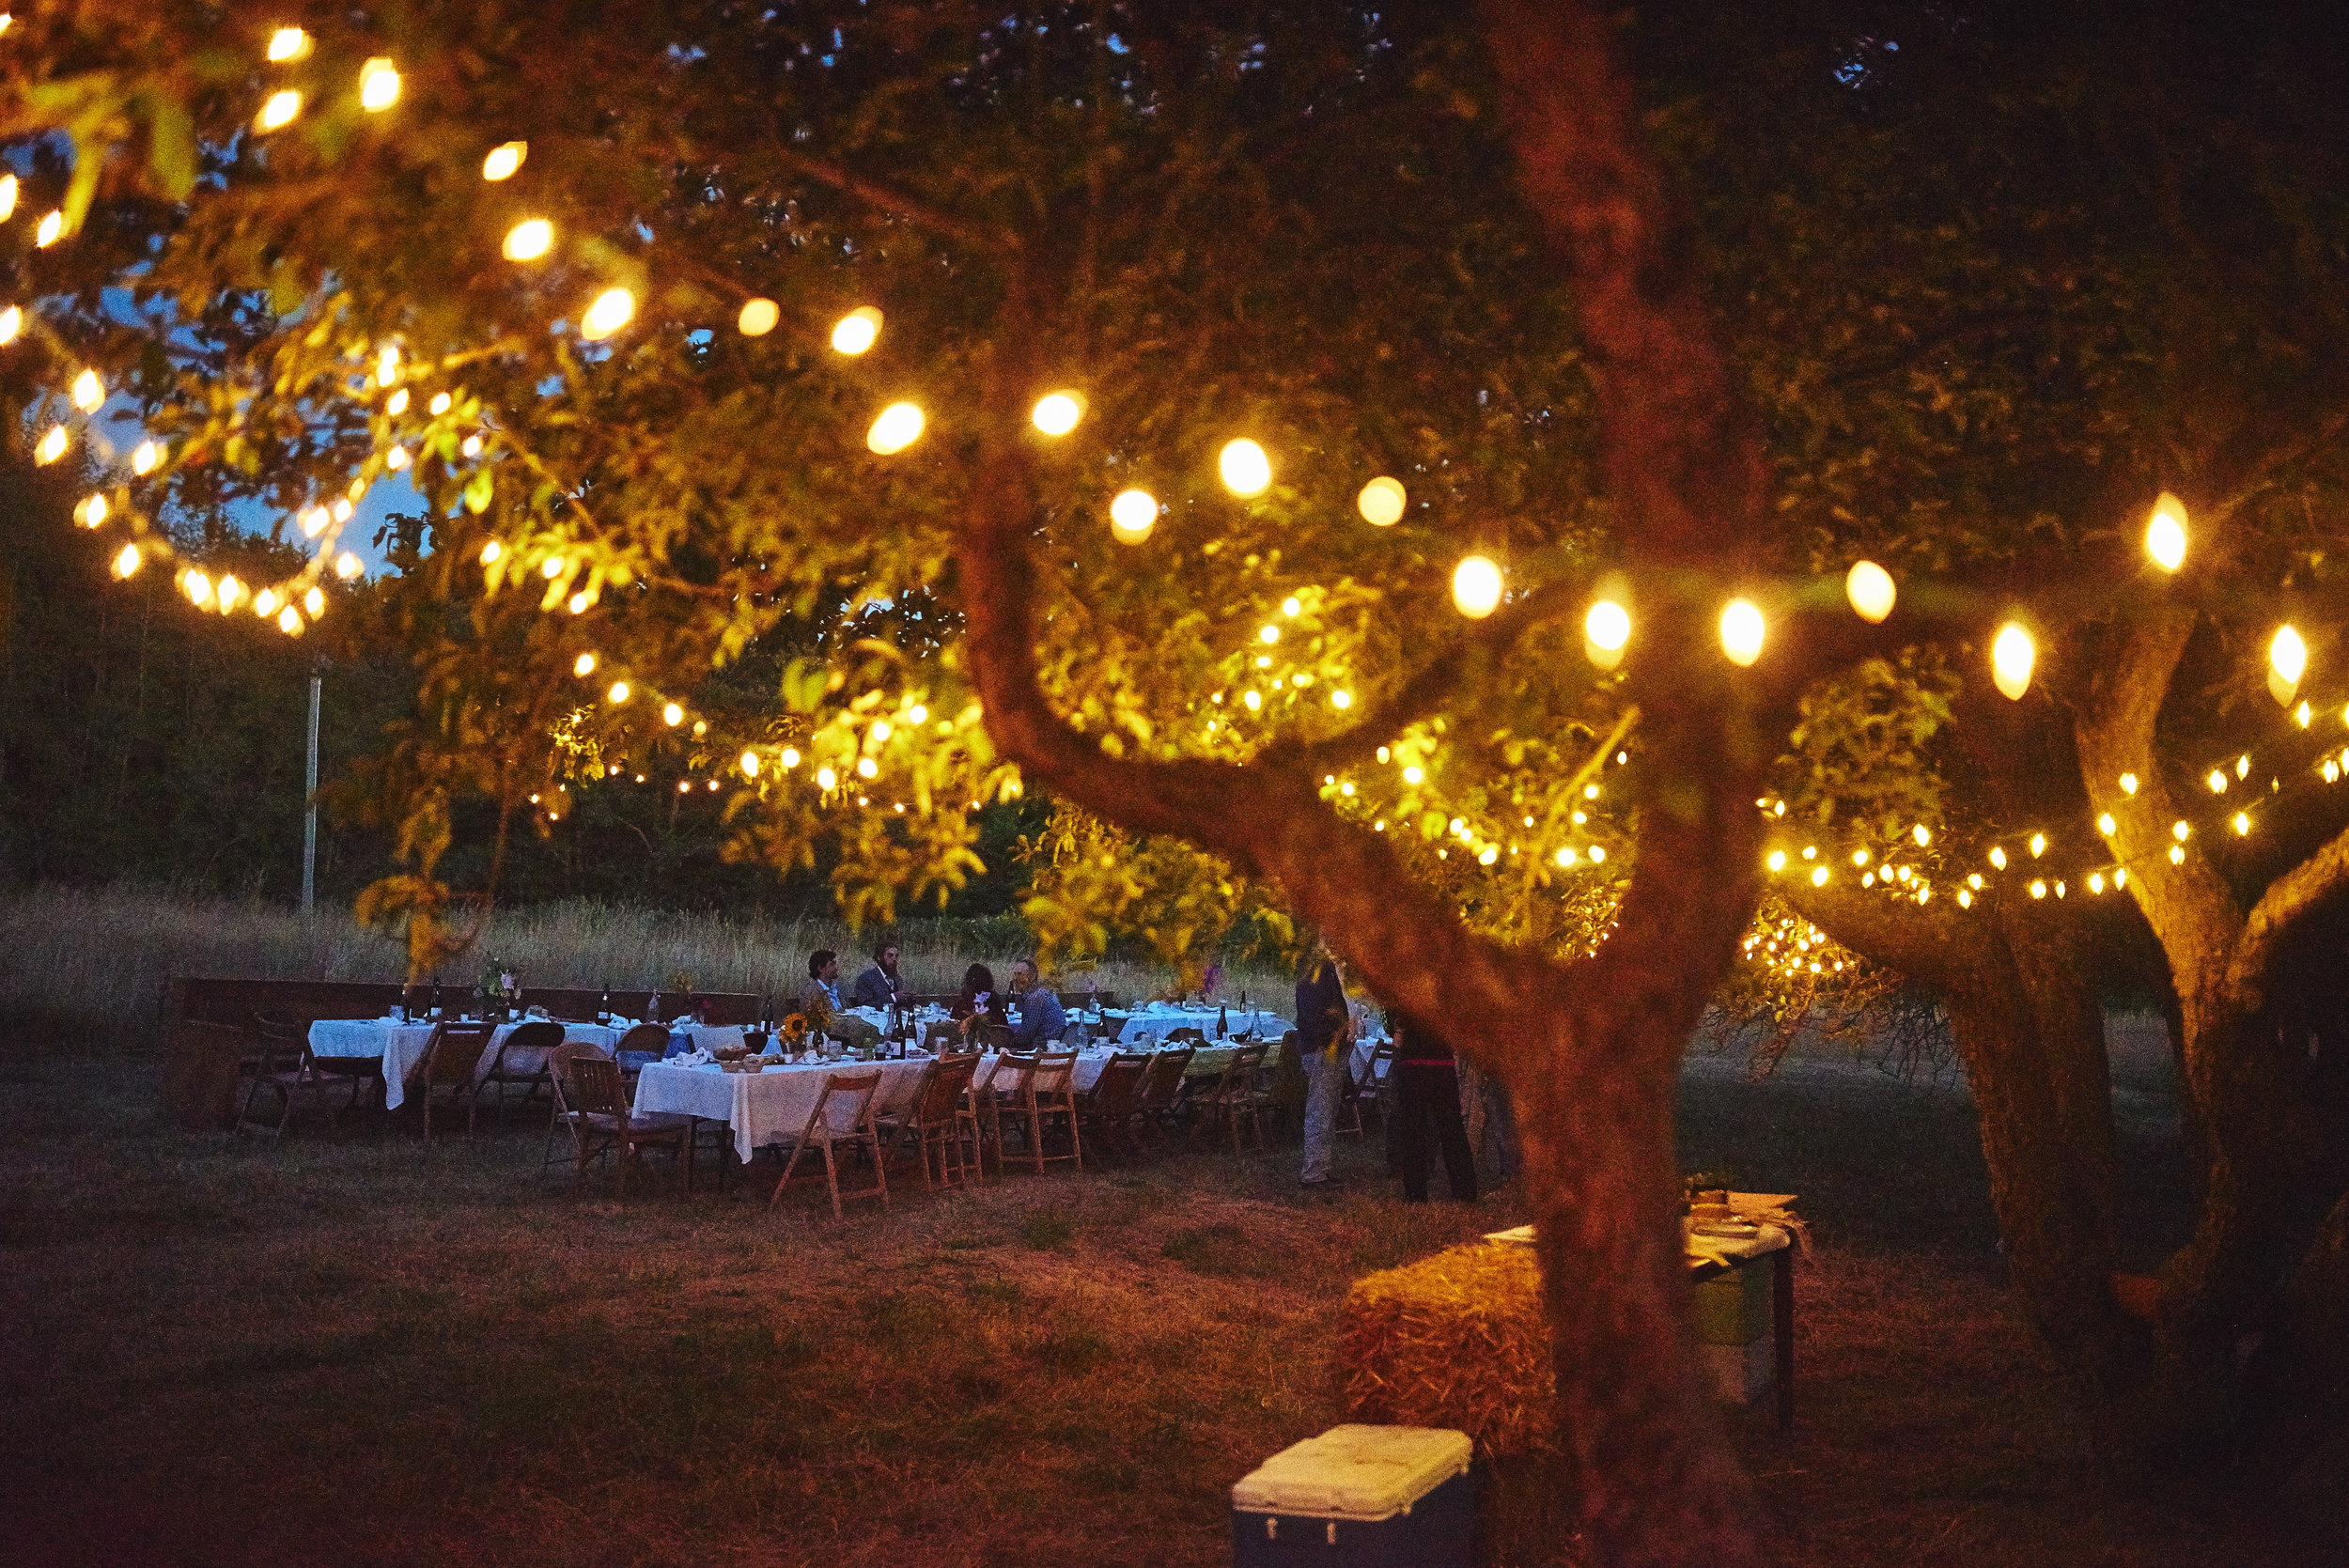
[695,1058]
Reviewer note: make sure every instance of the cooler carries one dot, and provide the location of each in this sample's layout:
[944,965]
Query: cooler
[1358,1496]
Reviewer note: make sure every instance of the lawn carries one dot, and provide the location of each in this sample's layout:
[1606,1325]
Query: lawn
[358,1348]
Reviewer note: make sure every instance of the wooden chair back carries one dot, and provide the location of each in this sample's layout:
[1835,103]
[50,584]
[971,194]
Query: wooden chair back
[538,1034]
[857,1090]
[1113,1093]
[454,1057]
[644,1036]
[1164,1080]
[1007,1076]
[943,1087]
[1239,1073]
[587,1082]
[1054,1076]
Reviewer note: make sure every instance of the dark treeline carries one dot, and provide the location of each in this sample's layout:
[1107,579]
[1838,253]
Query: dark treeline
[142,737]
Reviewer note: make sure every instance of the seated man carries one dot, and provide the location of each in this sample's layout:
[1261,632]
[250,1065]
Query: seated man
[1041,1020]
[880,985]
[819,999]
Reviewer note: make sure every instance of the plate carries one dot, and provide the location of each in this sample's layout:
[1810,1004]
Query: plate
[1727,1230]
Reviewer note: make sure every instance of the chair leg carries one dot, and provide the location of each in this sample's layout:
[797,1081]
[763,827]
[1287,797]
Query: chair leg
[799,1147]
[832,1175]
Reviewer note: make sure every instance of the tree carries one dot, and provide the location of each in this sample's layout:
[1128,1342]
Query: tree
[1289,224]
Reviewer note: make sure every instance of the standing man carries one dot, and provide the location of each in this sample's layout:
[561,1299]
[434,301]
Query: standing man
[1427,1112]
[1041,1020]
[878,986]
[1324,1038]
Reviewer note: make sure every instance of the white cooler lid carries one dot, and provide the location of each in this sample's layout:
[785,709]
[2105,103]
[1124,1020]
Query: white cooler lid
[1355,1472]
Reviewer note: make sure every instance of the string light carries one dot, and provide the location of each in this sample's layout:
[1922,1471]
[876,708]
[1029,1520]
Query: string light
[348,566]
[490,552]
[1741,632]
[1871,590]
[286,45]
[265,603]
[229,593]
[619,693]
[7,196]
[1382,502]
[2287,662]
[1133,515]
[52,445]
[198,588]
[1818,877]
[758,317]
[88,392]
[289,621]
[1341,699]
[2165,532]
[1476,587]
[2095,881]
[583,666]
[1056,413]
[750,765]
[127,562]
[2128,784]
[2106,825]
[2038,889]
[2038,845]
[827,780]
[2217,780]
[503,160]
[1923,835]
[2180,830]
[314,602]
[49,228]
[11,319]
[857,331]
[529,239]
[396,404]
[1605,631]
[898,426]
[278,111]
[2177,854]
[91,511]
[2243,824]
[379,86]
[790,757]
[552,568]
[1997,858]
[2011,658]
[2304,715]
[440,404]
[672,715]
[613,310]
[1245,469]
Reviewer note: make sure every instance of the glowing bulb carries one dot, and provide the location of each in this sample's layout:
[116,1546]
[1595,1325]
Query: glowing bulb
[2165,532]
[750,765]
[2177,854]
[314,521]
[2011,658]
[89,391]
[1599,857]
[503,160]
[342,509]
[197,586]
[1341,700]
[2243,822]
[619,694]
[1252,700]
[7,196]
[11,319]
[229,593]
[1245,468]
[1132,513]
[51,227]
[1605,631]
[314,602]
[265,603]
[1923,835]
[790,757]
[278,111]
[2128,784]
[395,458]
[288,44]
[91,511]
[1965,899]
[1412,775]
[472,447]
[397,403]
[1777,859]
[2217,780]
[1382,502]
[577,604]
[289,621]
[553,570]
[1859,856]
[917,714]
[1998,857]
[609,314]
[2095,881]
[1741,631]
[1269,634]
[758,317]
[1871,590]
[880,729]
[490,552]
[379,86]
[1818,877]
[826,779]
[2106,826]
[2038,845]
[127,562]
[2038,889]
[585,665]
[52,445]
[1057,413]
[1566,856]
[529,239]
[2243,764]
[2303,715]
[672,715]
[1475,587]
[856,332]
[2180,831]
[2287,662]
[441,401]
[347,566]
[898,426]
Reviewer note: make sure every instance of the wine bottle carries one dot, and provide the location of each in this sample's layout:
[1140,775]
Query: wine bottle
[652,1008]
[603,1005]
[1222,1023]
[436,999]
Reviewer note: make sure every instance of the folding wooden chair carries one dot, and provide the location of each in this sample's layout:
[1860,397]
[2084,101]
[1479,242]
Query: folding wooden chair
[1048,1094]
[453,1062]
[1162,1090]
[282,1067]
[1236,1095]
[1002,1084]
[587,1100]
[1109,1106]
[1364,1088]
[360,1072]
[522,1043]
[857,1090]
[935,1119]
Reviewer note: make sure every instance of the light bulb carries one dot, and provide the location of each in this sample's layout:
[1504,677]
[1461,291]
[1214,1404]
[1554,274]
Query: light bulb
[2181,830]
[2243,822]
[2217,780]
[1476,587]
[857,331]
[230,593]
[1245,468]
[91,511]
[585,665]
[1777,859]
[7,196]
[672,715]
[2011,658]
[503,160]
[1057,413]
[2128,784]
[1133,515]
[750,765]
[609,314]
[1998,857]
[552,568]
[619,693]
[790,757]
[2177,854]
[2038,889]
[314,602]
[278,111]
[1818,877]
[1382,502]
[288,45]
[197,586]
[1871,590]
[289,621]
[2287,662]
[89,391]
[1341,700]
[826,779]
[2038,845]
[127,562]
[379,86]
[2106,826]
[441,401]
[490,552]
[1605,631]
[11,319]
[758,317]
[49,230]
[52,445]
[348,566]
[1741,631]
[1923,835]
[396,404]
[898,426]
[1269,634]
[265,603]
[529,239]
[2165,532]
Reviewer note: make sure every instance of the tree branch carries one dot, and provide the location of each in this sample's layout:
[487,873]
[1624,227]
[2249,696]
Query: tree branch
[1925,941]
[2287,898]
[887,198]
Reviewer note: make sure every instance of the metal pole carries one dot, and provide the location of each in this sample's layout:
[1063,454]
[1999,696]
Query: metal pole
[310,817]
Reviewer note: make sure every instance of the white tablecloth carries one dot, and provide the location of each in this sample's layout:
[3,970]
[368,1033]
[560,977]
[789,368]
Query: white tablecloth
[401,1047]
[772,1105]
[1149,1025]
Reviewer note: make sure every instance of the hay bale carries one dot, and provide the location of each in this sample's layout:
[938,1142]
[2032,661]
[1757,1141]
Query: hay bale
[1458,1339]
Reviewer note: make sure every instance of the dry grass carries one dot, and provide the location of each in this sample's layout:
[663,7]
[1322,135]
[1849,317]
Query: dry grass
[88,965]
[356,1348]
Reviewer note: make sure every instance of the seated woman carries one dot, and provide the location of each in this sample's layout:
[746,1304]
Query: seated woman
[979,1000]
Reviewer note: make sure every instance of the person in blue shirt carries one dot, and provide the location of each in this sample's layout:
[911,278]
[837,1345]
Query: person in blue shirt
[1041,1020]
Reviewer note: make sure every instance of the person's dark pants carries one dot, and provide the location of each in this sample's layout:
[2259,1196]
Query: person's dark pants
[1427,1112]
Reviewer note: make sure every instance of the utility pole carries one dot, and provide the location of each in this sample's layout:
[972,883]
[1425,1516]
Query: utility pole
[310,817]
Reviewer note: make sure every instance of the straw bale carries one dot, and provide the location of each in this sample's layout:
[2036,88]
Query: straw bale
[1459,1341]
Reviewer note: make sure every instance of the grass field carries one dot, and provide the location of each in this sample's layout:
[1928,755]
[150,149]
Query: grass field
[356,1348]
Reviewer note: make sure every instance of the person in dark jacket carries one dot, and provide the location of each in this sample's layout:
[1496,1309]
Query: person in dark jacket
[1427,1114]
[880,985]
[979,999]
